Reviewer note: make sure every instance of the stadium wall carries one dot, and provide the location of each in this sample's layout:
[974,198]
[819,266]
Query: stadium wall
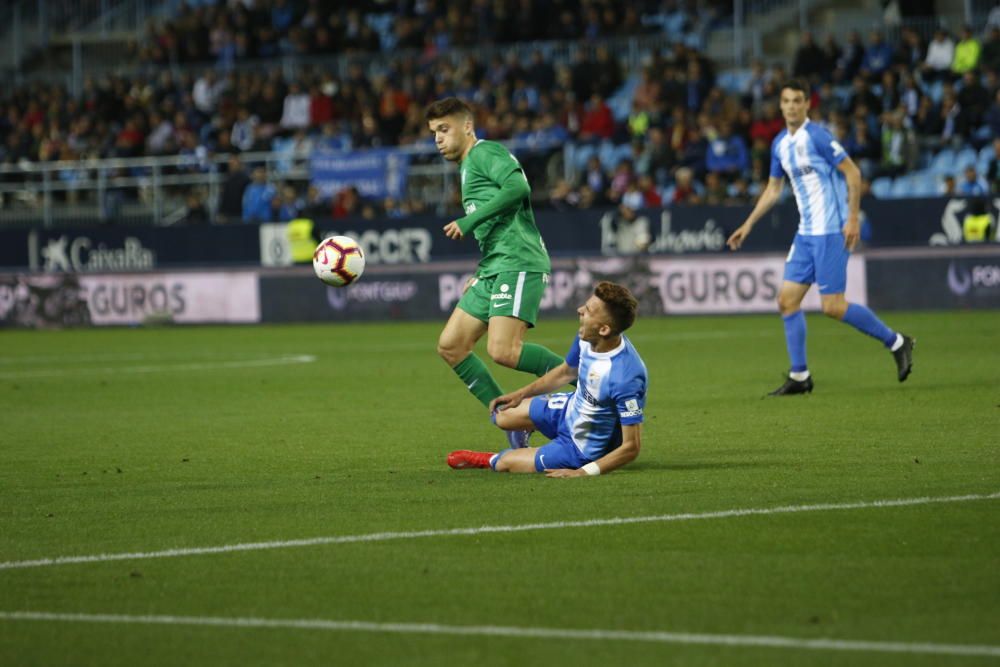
[419,240]
[891,279]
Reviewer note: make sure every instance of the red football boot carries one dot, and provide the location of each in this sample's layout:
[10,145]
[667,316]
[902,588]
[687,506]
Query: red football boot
[463,458]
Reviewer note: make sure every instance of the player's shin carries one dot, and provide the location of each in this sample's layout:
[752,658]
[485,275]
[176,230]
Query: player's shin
[537,359]
[865,321]
[478,379]
[795,341]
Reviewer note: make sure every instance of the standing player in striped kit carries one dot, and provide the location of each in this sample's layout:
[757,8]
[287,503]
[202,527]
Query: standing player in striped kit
[817,167]
[503,298]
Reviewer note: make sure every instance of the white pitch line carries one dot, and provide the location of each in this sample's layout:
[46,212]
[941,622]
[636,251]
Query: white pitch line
[162,368]
[481,530]
[73,358]
[661,637]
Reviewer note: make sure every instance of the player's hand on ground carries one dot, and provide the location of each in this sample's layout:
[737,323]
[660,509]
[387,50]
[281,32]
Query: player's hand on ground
[511,400]
[563,472]
[852,232]
[453,231]
[736,238]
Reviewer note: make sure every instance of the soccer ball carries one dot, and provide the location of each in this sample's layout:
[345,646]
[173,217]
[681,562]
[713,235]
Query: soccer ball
[338,261]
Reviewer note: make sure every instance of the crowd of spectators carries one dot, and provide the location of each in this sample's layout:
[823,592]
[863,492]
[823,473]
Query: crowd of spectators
[231,31]
[673,133]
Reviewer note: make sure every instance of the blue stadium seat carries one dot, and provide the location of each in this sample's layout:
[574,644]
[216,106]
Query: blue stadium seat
[734,81]
[620,107]
[286,147]
[983,161]
[621,100]
[581,154]
[944,162]
[383,25]
[842,95]
[925,183]
[902,188]
[674,25]
[608,154]
[935,91]
[966,158]
[882,188]
[623,152]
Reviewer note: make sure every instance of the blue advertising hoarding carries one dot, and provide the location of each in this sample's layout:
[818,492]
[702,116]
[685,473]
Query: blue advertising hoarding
[377,173]
[690,230]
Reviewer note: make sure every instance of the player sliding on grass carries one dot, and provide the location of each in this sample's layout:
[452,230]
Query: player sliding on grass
[596,428]
[817,167]
[504,296]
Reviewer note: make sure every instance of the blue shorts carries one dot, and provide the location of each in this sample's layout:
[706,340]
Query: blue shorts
[818,259]
[547,413]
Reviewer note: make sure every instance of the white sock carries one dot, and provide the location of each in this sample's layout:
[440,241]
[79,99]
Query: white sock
[493,461]
[799,376]
[899,342]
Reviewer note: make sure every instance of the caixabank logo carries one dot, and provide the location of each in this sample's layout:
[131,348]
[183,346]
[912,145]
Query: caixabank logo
[974,279]
[79,253]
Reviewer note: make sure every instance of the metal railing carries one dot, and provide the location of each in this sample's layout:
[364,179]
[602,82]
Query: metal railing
[152,190]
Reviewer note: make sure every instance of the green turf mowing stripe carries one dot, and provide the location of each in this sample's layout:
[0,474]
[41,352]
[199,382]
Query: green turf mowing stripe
[480,530]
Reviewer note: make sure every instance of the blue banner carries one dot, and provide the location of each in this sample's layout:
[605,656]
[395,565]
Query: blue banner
[376,173]
[132,248]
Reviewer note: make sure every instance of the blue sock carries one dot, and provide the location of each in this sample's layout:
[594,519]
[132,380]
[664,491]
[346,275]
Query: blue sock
[865,321]
[496,458]
[795,340]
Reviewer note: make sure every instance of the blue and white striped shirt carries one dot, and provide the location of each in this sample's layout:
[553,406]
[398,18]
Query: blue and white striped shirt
[810,158]
[610,391]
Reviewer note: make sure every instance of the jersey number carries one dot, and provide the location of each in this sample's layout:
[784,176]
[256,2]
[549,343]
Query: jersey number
[558,401]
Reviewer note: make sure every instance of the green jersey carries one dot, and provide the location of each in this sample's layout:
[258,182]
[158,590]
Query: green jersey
[509,239]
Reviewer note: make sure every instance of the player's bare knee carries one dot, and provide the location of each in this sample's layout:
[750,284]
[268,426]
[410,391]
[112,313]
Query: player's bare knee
[787,304]
[504,420]
[502,466]
[834,309]
[503,355]
[451,352]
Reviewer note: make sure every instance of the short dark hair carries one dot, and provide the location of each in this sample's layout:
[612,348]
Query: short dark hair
[797,84]
[620,303]
[447,107]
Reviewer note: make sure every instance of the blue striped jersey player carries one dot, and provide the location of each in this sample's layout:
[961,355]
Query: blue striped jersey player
[827,188]
[592,430]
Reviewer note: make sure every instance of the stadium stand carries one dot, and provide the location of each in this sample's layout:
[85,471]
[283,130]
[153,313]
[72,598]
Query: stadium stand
[215,79]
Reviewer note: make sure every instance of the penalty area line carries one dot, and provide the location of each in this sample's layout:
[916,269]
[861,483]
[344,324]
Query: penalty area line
[661,637]
[483,530]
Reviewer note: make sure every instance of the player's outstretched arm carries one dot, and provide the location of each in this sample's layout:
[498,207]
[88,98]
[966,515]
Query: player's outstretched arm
[513,191]
[616,458]
[558,377]
[768,198]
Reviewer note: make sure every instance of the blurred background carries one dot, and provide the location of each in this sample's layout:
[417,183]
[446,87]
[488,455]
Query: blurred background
[644,127]
[131,110]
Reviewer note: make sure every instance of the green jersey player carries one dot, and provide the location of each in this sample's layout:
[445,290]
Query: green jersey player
[503,298]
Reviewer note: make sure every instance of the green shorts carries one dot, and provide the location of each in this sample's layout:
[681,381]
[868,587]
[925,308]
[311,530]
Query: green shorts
[515,294]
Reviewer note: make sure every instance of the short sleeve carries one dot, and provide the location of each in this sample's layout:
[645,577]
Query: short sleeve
[573,356]
[630,400]
[777,171]
[828,147]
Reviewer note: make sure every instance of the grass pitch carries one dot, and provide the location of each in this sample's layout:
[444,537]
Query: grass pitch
[144,440]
